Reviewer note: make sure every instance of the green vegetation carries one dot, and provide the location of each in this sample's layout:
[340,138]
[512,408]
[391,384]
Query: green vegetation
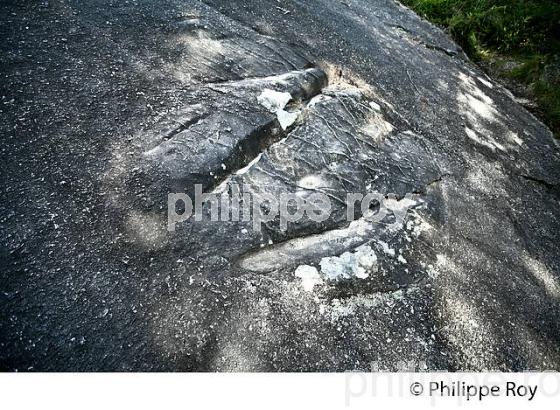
[526,32]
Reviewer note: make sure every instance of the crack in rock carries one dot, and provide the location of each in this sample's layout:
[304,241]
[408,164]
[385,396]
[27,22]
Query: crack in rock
[238,128]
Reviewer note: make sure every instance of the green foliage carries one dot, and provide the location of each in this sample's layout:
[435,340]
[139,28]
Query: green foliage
[502,25]
[527,30]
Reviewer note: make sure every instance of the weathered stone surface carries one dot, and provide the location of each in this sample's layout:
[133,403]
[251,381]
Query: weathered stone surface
[107,107]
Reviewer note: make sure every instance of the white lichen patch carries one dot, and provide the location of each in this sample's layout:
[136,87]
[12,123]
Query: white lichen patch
[402,260]
[273,100]
[386,249]
[286,119]
[309,276]
[350,265]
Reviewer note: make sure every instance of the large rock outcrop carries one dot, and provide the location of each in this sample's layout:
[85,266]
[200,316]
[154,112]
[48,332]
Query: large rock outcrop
[109,106]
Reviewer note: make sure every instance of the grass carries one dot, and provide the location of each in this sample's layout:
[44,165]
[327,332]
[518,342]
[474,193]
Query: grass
[524,31]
